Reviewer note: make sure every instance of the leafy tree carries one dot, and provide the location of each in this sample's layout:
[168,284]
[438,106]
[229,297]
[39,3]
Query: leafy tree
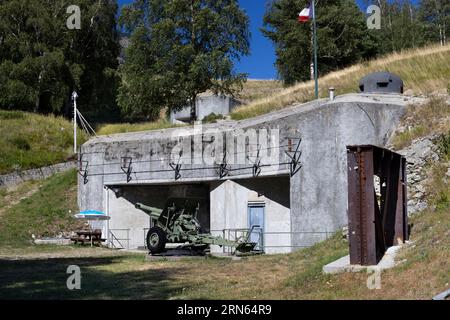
[179,49]
[42,61]
[342,36]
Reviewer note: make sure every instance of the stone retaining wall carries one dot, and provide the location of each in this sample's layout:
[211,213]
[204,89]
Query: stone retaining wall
[12,179]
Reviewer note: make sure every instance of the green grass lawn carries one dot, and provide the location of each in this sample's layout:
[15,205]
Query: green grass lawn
[40,272]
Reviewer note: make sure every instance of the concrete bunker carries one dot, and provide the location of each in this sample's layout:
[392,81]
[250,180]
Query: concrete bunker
[206,104]
[301,193]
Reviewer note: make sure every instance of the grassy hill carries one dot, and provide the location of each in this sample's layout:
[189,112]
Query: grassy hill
[424,71]
[29,140]
[259,89]
[42,208]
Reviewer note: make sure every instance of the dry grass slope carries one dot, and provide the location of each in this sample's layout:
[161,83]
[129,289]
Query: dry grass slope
[258,89]
[109,129]
[424,70]
[421,120]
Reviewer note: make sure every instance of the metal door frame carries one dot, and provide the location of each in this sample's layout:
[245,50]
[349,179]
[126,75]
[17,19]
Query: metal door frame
[258,204]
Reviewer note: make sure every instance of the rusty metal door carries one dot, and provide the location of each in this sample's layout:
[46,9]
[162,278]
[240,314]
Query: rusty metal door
[376,222]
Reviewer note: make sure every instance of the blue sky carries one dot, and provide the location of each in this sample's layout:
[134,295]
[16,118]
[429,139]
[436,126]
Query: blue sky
[260,63]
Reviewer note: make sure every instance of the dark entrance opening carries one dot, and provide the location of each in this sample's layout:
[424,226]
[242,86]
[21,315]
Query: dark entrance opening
[157,196]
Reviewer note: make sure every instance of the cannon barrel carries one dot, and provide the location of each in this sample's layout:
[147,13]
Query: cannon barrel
[151,211]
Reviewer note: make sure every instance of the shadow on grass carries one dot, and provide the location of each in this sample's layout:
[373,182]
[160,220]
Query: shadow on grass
[46,279]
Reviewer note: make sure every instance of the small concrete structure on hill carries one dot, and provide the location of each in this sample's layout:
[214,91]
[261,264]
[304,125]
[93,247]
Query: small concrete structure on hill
[381,82]
[206,105]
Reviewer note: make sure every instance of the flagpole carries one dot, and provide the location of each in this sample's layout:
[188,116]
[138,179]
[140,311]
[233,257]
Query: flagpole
[316,82]
[74,97]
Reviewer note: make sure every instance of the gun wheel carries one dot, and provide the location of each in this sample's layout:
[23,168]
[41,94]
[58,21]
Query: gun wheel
[156,240]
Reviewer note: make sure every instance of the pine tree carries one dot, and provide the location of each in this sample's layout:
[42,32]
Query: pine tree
[179,49]
[342,35]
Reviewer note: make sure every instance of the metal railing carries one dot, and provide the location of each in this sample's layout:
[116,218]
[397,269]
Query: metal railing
[264,238]
[242,235]
[116,242]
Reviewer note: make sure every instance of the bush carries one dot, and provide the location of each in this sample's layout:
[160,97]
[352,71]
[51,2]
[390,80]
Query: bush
[21,144]
[443,144]
[212,118]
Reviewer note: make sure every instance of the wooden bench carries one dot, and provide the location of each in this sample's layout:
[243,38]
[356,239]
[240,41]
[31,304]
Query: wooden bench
[90,237]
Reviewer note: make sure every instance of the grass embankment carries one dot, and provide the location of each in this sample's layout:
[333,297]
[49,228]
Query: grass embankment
[257,89]
[421,120]
[108,129]
[39,208]
[424,71]
[31,141]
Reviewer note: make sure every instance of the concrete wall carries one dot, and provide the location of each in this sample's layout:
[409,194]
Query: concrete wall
[229,209]
[205,106]
[125,216]
[318,192]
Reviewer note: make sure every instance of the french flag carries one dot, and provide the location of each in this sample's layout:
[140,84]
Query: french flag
[305,15]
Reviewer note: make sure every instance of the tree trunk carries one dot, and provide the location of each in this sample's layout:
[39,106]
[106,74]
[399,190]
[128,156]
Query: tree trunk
[311,67]
[391,33]
[412,30]
[444,33]
[37,104]
[193,110]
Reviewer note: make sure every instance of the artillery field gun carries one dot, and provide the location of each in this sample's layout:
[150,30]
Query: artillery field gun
[178,223]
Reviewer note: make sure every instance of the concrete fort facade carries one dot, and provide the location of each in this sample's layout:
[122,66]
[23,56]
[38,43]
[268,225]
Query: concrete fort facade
[285,171]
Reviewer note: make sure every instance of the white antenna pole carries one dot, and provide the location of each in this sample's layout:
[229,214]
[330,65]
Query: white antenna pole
[74,97]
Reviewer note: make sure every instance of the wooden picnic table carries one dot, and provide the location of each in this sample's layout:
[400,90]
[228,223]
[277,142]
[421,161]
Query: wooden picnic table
[92,237]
